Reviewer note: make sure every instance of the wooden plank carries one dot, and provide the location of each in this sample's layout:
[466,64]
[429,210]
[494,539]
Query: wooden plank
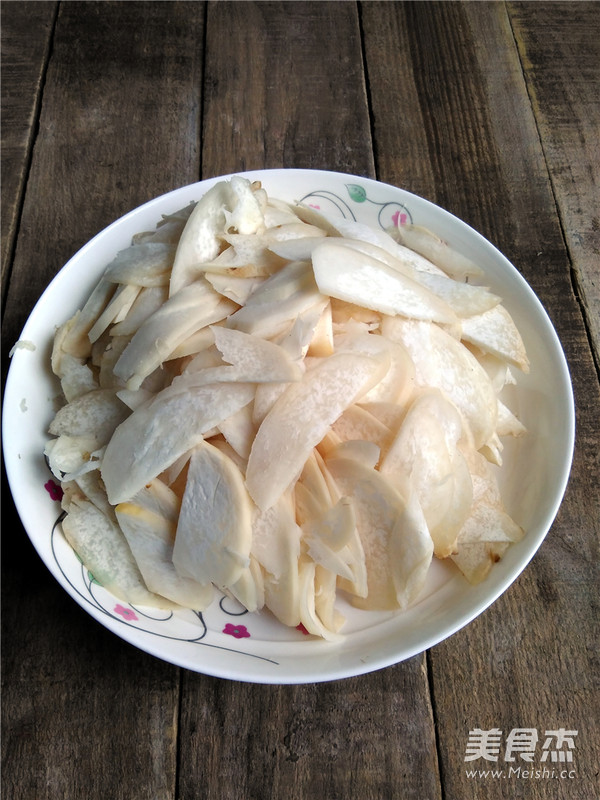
[103,147]
[276,99]
[528,661]
[84,713]
[26,31]
[559,47]
[369,737]
[290,95]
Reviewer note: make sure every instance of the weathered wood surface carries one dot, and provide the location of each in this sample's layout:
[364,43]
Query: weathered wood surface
[25,45]
[559,47]
[454,101]
[532,657]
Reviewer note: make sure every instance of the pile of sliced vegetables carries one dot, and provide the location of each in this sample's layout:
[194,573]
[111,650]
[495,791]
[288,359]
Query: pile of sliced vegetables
[283,405]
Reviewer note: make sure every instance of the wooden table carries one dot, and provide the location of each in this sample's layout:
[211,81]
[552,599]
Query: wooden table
[490,110]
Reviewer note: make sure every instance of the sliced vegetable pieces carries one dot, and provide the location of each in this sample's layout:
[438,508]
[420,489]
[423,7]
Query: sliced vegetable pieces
[495,332]
[160,431]
[383,520]
[424,452]
[287,406]
[276,547]
[442,362]
[214,531]
[151,537]
[300,418]
[356,277]
[101,545]
[423,241]
[194,307]
[95,414]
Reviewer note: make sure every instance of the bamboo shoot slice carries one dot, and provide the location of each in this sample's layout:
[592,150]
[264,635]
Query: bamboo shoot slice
[423,241]
[307,603]
[389,524]
[249,589]
[199,240]
[147,264]
[214,531]
[183,314]
[95,414]
[376,506]
[301,417]
[495,332]
[347,274]
[101,545]
[424,452]
[276,546]
[466,299]
[442,362]
[159,432]
[150,537]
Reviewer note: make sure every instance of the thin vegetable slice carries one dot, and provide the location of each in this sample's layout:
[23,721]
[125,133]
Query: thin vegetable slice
[214,531]
[161,431]
[495,332]
[95,414]
[184,313]
[379,508]
[442,362]
[356,277]
[300,418]
[423,241]
[150,537]
[102,547]
[276,546]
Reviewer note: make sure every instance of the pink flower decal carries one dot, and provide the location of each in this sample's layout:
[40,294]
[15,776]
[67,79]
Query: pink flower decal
[313,205]
[239,631]
[126,613]
[302,629]
[54,490]
[399,219]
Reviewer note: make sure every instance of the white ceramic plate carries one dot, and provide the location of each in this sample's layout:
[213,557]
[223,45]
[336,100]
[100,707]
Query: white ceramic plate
[225,640]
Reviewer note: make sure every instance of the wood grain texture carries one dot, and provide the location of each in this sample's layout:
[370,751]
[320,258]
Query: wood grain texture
[285,87]
[455,101]
[559,46]
[84,713]
[520,664]
[119,125]
[362,737]
[26,30]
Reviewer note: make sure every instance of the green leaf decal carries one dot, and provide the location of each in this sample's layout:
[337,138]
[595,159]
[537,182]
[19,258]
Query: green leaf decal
[92,579]
[357,193]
